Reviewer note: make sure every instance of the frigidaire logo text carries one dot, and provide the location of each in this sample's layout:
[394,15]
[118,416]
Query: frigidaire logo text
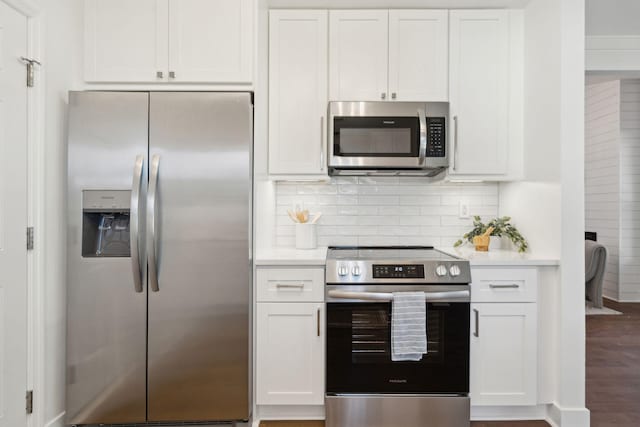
[393,381]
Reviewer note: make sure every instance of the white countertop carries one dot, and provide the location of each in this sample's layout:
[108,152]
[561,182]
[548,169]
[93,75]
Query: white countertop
[500,257]
[291,256]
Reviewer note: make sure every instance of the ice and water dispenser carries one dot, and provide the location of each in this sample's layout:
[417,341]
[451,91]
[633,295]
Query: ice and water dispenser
[105,223]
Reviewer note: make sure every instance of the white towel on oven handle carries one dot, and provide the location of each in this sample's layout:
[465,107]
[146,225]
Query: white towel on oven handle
[408,326]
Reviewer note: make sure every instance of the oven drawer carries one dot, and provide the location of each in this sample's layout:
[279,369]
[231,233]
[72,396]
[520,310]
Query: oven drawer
[290,284]
[504,284]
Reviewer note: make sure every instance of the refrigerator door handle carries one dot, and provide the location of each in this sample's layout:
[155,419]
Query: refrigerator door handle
[134,226]
[151,223]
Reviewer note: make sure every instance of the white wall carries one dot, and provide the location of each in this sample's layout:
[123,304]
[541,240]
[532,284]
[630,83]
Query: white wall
[612,181]
[384,211]
[535,201]
[550,201]
[61,72]
[630,191]
[602,173]
[612,17]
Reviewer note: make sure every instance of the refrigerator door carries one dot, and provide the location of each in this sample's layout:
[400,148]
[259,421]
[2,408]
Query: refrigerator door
[106,305]
[199,227]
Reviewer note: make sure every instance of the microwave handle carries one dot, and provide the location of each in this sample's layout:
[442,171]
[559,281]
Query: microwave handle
[423,135]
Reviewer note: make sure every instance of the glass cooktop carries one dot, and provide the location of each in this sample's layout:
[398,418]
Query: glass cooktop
[417,253]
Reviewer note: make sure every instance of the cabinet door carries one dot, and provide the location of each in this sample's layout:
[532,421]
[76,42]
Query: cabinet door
[358,55]
[297,91]
[211,41]
[418,55]
[503,354]
[479,91]
[125,41]
[290,354]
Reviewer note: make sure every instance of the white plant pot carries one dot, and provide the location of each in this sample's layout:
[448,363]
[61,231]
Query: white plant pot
[495,243]
[306,237]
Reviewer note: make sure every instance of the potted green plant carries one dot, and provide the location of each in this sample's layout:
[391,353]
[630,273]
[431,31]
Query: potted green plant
[502,227]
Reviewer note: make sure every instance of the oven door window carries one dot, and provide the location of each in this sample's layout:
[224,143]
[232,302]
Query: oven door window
[359,351]
[376,136]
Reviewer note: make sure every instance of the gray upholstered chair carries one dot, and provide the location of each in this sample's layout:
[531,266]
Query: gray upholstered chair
[595,257]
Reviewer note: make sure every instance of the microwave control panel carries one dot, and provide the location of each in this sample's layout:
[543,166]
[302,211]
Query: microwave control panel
[436,138]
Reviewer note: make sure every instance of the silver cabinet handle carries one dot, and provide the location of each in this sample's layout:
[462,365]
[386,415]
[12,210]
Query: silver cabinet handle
[151,224]
[388,296]
[511,286]
[290,285]
[321,143]
[394,95]
[172,74]
[134,223]
[455,142]
[477,331]
[159,74]
[383,95]
[318,320]
[422,116]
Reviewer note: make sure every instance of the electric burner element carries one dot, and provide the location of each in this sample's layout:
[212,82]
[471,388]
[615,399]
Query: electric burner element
[395,265]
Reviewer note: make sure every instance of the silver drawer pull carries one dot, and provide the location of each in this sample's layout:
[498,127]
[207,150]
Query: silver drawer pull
[290,285]
[512,286]
[477,331]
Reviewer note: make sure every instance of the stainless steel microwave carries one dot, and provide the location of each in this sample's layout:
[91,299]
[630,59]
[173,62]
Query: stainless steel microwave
[388,138]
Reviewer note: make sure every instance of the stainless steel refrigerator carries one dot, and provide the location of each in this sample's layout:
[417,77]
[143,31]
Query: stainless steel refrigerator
[159,256]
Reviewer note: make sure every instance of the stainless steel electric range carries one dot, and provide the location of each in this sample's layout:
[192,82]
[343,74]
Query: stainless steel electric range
[364,387]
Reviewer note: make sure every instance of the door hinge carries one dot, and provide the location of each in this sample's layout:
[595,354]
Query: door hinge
[30,63]
[30,238]
[29,398]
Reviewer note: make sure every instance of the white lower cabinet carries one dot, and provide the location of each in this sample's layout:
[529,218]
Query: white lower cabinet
[290,354]
[503,354]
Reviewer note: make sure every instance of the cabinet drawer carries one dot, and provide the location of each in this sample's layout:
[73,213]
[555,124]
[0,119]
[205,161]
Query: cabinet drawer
[504,285]
[290,284]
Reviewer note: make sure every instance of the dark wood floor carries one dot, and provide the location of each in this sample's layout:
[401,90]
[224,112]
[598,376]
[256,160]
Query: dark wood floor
[613,373]
[613,367]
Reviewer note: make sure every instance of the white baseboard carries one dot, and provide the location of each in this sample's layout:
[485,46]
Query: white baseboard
[508,413]
[289,412]
[58,421]
[568,417]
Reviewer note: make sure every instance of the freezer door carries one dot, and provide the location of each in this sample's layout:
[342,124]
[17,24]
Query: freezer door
[199,227]
[106,306]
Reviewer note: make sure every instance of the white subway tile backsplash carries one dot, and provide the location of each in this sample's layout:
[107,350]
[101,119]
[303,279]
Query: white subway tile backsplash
[378,200]
[419,220]
[384,210]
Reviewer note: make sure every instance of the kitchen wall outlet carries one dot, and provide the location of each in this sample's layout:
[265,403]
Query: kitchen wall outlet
[464,209]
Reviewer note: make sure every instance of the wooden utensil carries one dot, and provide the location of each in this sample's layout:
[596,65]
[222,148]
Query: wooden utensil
[292,216]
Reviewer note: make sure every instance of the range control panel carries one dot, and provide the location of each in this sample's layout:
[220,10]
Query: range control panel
[436,138]
[399,271]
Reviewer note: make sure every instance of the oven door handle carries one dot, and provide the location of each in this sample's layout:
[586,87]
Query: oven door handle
[462,296]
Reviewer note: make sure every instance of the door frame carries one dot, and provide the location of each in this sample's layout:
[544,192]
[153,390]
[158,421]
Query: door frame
[35,212]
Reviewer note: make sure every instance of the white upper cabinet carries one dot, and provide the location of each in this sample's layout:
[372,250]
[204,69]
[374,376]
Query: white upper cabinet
[479,67]
[126,41]
[297,92]
[146,41]
[358,54]
[211,40]
[418,55]
[388,55]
